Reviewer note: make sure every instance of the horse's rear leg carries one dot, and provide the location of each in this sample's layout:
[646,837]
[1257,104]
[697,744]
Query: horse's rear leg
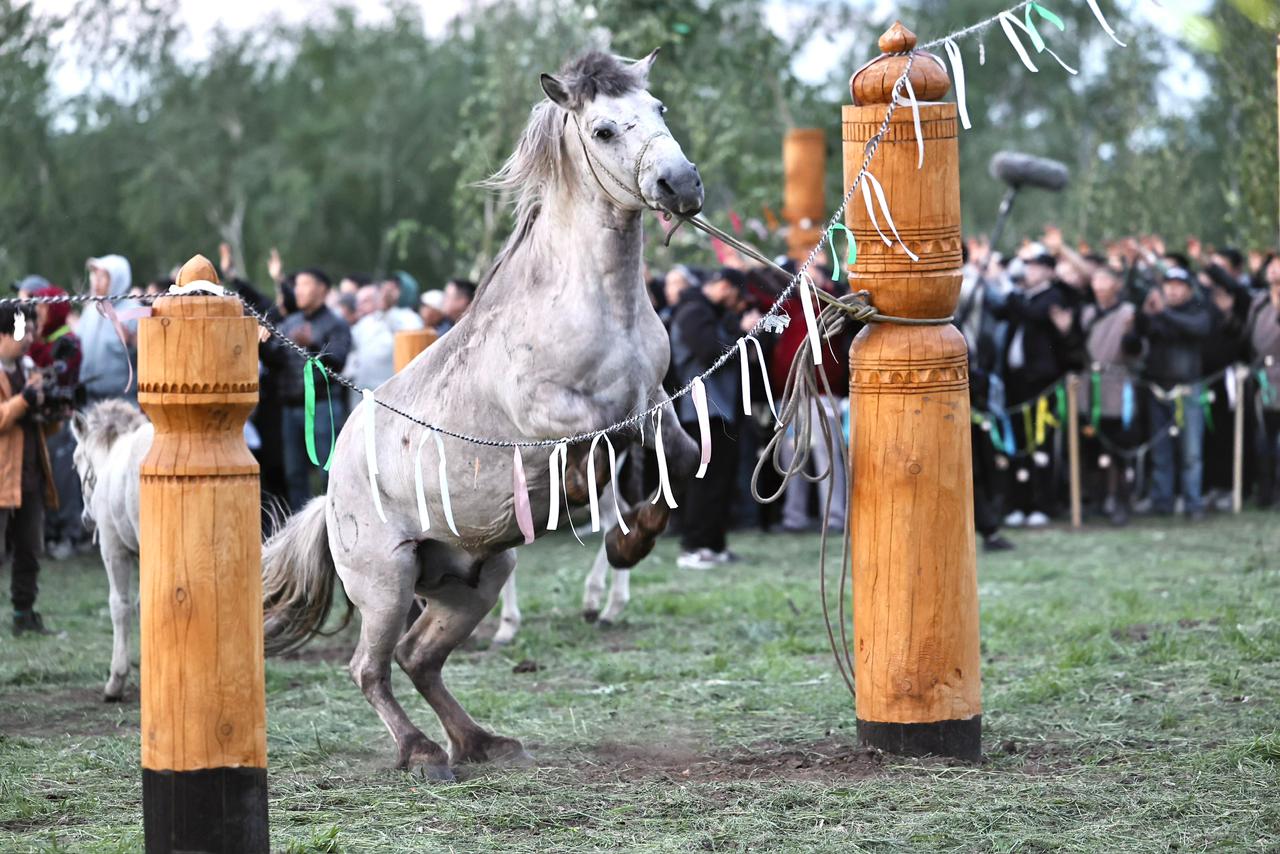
[510,623]
[120,568]
[454,608]
[381,624]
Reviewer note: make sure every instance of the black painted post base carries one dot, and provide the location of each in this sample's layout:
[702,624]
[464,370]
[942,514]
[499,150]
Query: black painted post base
[957,739]
[213,809]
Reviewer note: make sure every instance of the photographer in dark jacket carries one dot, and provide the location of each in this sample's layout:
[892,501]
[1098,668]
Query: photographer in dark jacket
[1170,332]
[1228,303]
[702,327]
[326,337]
[1035,357]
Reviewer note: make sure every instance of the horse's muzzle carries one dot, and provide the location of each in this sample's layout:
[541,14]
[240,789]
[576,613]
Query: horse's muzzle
[679,190]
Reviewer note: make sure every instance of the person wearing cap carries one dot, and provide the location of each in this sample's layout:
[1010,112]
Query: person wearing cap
[702,327]
[1036,354]
[1169,334]
[432,308]
[105,367]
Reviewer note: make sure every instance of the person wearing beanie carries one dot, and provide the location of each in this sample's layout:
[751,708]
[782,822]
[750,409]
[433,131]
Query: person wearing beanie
[54,347]
[1169,334]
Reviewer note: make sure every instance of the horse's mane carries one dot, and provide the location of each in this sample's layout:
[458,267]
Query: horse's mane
[107,421]
[536,165]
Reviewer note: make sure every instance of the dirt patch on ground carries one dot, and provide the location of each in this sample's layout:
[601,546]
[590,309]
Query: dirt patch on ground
[316,653]
[826,760]
[67,711]
[1139,632]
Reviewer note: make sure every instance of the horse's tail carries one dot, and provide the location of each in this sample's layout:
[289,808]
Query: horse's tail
[297,580]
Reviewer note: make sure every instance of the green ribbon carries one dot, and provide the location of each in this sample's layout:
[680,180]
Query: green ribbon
[309,403]
[1206,406]
[852,249]
[1060,397]
[1264,385]
[996,439]
[1031,27]
[1095,408]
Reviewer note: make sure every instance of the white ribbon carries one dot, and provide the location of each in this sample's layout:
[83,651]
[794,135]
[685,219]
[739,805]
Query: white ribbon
[553,512]
[371,450]
[957,76]
[806,303]
[982,53]
[699,395]
[419,491]
[1106,28]
[444,487]
[870,185]
[746,375]
[1008,22]
[613,479]
[520,496]
[915,119]
[664,480]
[19,325]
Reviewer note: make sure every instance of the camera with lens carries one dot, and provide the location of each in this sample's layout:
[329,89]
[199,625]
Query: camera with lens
[60,397]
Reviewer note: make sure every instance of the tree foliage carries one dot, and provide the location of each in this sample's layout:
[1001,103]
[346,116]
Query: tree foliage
[357,145]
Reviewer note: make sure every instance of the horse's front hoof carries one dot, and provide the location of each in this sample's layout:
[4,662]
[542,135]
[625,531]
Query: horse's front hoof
[591,615]
[113,698]
[495,750]
[433,773]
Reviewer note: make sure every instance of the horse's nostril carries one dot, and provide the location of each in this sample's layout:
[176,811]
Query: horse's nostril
[664,187]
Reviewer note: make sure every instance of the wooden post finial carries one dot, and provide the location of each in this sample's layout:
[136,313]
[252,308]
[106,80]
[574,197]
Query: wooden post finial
[198,269]
[874,82]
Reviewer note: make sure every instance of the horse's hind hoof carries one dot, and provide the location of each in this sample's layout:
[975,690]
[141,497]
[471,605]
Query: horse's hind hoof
[113,698]
[434,773]
[591,615]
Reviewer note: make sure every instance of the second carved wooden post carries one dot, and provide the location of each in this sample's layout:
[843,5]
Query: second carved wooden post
[915,644]
[204,740]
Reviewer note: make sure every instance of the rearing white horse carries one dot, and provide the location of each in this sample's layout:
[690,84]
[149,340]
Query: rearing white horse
[560,340]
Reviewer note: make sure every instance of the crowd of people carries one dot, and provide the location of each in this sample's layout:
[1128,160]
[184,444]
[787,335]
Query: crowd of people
[1161,339]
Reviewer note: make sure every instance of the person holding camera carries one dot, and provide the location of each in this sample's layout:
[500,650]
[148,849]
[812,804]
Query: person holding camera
[55,350]
[25,480]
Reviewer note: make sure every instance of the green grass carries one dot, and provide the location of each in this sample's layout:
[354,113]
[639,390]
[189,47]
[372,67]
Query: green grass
[1131,693]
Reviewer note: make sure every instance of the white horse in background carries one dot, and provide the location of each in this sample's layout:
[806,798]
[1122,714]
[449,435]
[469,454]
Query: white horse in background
[112,437]
[560,340]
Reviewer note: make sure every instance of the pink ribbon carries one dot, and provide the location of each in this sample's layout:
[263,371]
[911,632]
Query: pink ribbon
[704,425]
[524,514]
[108,311]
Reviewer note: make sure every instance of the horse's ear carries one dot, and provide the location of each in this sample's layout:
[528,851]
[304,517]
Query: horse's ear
[647,63]
[79,426]
[555,90]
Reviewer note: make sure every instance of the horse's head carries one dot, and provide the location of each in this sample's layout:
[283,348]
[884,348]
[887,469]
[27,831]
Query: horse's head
[96,432]
[619,129]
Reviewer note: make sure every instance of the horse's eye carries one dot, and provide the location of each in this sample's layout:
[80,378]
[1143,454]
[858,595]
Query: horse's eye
[662,109]
[603,134]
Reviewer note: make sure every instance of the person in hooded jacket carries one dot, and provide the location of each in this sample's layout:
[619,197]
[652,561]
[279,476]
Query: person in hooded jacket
[107,361]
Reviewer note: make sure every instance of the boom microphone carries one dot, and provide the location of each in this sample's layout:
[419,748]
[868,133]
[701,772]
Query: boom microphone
[1023,170]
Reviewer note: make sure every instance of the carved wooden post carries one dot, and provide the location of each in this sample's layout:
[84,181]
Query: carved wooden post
[804,170]
[411,342]
[914,565]
[204,745]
